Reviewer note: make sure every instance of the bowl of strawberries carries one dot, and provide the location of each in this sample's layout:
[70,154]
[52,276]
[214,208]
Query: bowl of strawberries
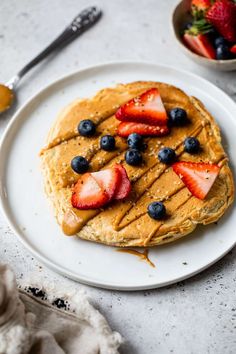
[206,31]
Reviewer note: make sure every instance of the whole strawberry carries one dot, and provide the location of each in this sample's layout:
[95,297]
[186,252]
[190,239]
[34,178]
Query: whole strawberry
[222,15]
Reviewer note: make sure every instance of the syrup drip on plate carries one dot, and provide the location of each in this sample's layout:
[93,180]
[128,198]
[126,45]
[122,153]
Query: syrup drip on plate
[143,256]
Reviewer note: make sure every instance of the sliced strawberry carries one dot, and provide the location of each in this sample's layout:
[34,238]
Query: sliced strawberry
[87,193]
[147,108]
[191,42]
[200,44]
[233,49]
[126,128]
[206,47]
[109,180]
[222,15]
[198,177]
[124,187]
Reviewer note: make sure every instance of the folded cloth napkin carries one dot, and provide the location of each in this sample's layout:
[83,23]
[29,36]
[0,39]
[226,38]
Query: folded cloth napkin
[33,322]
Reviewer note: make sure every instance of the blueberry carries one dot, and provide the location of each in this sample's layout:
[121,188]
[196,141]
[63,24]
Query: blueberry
[219,41]
[79,164]
[166,155]
[212,34]
[156,210]
[107,142]
[187,25]
[133,157]
[191,145]
[135,141]
[178,116]
[86,127]
[223,52]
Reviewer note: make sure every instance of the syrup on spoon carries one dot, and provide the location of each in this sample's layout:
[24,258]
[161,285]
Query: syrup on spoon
[6,98]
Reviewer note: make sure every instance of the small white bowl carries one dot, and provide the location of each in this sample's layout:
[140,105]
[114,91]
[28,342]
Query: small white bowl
[180,16]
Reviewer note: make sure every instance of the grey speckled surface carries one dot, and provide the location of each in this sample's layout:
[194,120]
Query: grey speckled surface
[194,316]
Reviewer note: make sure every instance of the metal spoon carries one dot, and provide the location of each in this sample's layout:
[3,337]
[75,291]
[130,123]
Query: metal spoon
[81,23]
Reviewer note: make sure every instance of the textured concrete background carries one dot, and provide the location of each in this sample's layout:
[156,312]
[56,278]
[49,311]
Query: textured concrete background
[194,316]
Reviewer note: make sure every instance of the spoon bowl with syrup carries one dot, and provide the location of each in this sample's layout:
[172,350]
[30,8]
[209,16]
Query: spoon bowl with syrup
[6,98]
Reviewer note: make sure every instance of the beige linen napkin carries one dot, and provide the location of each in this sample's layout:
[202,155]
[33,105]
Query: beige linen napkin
[33,322]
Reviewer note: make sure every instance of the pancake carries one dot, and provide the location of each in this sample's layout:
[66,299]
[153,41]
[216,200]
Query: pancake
[126,223]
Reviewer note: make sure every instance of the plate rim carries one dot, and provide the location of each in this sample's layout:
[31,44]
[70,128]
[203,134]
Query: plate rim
[44,259]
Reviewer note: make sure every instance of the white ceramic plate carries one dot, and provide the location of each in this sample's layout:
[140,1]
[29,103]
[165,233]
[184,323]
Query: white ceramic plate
[31,217]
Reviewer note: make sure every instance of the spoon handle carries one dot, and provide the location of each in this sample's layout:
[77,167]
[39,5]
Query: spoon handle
[80,24]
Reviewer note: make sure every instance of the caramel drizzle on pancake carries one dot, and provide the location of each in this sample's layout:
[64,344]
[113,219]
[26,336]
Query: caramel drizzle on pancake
[142,178]
[159,224]
[152,174]
[97,118]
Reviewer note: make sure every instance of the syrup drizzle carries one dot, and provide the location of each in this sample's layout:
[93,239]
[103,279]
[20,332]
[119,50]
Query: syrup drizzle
[80,219]
[126,207]
[143,256]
